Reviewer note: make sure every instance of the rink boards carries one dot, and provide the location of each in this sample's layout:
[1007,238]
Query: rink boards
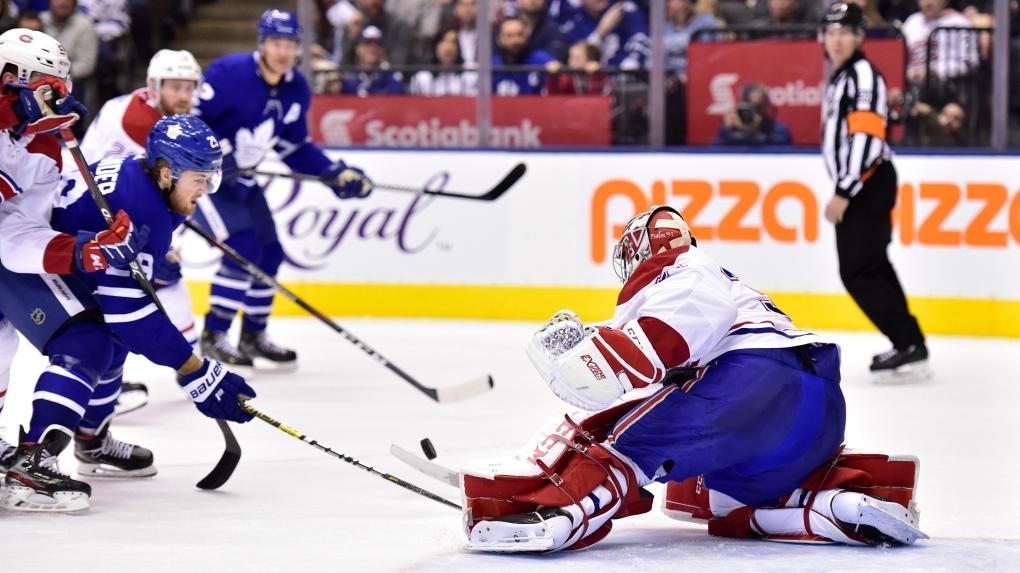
[547,243]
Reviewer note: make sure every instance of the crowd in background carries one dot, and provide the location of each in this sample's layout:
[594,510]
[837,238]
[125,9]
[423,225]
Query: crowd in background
[564,47]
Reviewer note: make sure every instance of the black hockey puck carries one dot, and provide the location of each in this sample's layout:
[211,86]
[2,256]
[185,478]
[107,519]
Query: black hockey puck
[428,449]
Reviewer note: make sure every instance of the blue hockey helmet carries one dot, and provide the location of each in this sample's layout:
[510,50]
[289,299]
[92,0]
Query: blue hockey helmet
[279,24]
[187,144]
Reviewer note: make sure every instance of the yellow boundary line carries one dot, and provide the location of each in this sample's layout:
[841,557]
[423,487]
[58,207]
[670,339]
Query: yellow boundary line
[959,316]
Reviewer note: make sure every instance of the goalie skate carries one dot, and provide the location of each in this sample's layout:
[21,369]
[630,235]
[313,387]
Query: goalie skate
[877,522]
[533,532]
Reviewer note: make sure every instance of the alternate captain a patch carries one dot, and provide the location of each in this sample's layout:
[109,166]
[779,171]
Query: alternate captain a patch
[8,187]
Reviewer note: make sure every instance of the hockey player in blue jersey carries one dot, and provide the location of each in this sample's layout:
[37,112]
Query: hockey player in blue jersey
[255,103]
[88,323]
[619,28]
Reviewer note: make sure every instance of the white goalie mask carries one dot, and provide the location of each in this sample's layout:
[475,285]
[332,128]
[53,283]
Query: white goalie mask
[173,65]
[654,231]
[33,53]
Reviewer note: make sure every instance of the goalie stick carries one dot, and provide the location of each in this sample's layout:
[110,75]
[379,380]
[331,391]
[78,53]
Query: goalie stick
[442,394]
[315,444]
[492,194]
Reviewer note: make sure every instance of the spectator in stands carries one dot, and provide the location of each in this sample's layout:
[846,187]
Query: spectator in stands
[77,35]
[586,79]
[784,12]
[543,31]
[943,129]
[422,18]
[682,20]
[955,53]
[512,50]
[877,25]
[399,36]
[8,16]
[112,24]
[753,122]
[30,20]
[453,81]
[373,77]
[465,13]
[347,23]
[620,30]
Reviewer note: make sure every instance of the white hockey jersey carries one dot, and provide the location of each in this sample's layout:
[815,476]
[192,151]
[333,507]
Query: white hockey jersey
[954,52]
[690,310]
[28,184]
[120,128]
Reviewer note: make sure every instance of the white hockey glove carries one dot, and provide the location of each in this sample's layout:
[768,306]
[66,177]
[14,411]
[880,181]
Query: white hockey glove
[576,370]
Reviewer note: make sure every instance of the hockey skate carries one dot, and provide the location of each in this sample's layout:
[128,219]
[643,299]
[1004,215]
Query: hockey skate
[901,366]
[7,451]
[34,481]
[216,346]
[133,395]
[264,353]
[104,456]
[538,531]
[875,522]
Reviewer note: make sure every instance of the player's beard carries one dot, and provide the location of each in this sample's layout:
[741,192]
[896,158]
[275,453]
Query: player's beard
[180,107]
[178,203]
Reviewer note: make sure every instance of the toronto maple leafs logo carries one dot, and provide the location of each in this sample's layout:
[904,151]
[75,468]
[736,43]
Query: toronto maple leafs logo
[174,131]
[251,145]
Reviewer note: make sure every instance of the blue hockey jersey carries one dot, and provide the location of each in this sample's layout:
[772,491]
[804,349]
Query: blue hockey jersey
[129,313]
[254,117]
[627,46]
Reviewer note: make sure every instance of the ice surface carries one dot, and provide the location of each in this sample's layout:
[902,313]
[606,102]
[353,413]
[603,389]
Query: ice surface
[291,508]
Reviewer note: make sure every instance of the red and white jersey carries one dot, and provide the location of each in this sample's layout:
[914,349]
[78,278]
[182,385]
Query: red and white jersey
[29,183]
[690,310]
[954,52]
[121,127]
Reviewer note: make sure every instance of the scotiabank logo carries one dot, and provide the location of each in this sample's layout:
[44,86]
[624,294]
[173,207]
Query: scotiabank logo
[931,214]
[339,127]
[724,89]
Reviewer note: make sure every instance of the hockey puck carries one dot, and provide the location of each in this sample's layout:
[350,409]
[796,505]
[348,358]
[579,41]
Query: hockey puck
[428,449]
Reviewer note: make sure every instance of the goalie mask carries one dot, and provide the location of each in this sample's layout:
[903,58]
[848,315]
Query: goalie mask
[655,231]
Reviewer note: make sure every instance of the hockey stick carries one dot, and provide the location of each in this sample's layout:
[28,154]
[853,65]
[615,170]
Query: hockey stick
[232,453]
[388,477]
[492,194]
[443,394]
[429,468]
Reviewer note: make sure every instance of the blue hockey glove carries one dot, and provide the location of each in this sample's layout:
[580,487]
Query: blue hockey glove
[167,270]
[67,110]
[347,182]
[216,392]
[115,247]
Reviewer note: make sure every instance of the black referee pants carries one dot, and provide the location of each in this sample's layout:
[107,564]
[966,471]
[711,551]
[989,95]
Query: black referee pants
[862,240]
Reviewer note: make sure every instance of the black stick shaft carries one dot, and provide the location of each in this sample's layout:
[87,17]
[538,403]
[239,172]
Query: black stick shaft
[388,477]
[261,275]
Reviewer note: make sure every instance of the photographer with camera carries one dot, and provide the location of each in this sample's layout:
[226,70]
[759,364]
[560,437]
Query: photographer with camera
[753,121]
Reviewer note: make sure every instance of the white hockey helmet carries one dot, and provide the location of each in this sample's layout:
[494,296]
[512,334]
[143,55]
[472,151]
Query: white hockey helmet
[174,65]
[657,230]
[32,52]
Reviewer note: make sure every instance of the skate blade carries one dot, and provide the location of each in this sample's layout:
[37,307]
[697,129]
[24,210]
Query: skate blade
[110,472]
[264,365]
[501,537]
[130,401]
[892,519]
[906,374]
[26,499]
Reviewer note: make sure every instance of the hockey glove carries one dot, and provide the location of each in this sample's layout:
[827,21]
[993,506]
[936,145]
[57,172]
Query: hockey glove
[561,333]
[167,270]
[115,247]
[347,182]
[31,99]
[216,392]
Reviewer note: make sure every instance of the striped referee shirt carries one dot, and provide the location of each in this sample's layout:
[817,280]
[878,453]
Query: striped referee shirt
[854,125]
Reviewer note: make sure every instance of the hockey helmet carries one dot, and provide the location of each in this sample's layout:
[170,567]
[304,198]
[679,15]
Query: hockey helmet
[843,14]
[32,52]
[173,65]
[187,144]
[279,24]
[657,230]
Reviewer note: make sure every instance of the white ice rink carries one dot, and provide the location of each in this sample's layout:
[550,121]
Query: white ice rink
[289,507]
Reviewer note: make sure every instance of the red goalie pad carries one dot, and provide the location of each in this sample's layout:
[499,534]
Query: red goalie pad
[560,470]
[891,478]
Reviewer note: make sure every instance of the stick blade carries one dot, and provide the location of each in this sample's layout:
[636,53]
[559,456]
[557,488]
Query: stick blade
[465,390]
[503,186]
[228,461]
[431,469]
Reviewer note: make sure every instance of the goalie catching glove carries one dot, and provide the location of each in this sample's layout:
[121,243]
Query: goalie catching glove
[591,367]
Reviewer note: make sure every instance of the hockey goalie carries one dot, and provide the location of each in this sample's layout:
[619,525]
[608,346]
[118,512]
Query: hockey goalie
[702,383]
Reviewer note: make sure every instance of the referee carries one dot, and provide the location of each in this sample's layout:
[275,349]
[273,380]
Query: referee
[860,163]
